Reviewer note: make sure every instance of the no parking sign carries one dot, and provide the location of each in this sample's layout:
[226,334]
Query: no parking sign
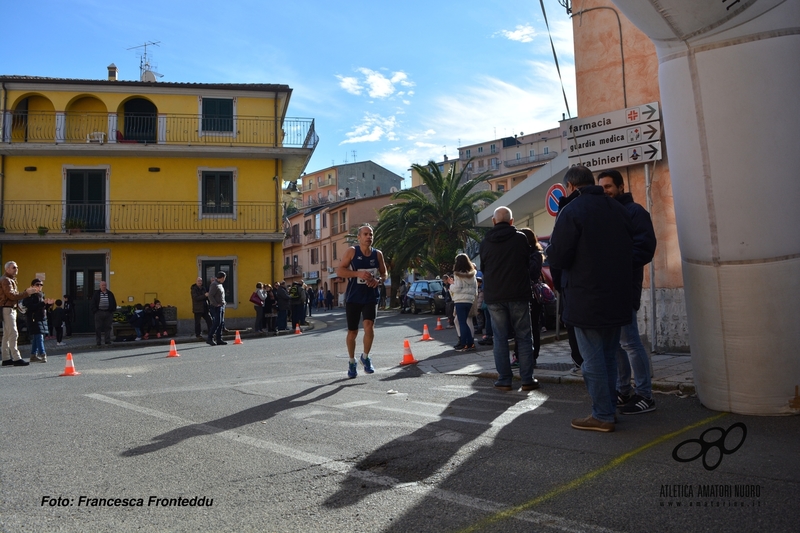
[554,194]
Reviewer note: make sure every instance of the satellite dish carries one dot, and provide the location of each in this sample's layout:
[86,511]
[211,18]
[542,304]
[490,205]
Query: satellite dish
[340,192]
[393,189]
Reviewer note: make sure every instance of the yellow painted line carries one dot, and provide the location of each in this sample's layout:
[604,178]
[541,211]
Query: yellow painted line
[574,484]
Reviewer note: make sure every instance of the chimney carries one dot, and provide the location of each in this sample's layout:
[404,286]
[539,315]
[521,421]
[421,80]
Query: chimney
[113,71]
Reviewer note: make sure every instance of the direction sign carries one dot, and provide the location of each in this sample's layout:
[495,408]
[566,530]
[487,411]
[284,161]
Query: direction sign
[621,157]
[613,120]
[554,194]
[612,139]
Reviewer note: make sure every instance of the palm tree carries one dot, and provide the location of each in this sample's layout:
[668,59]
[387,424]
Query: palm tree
[425,230]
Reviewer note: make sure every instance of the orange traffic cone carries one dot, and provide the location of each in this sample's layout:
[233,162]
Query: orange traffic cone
[297,330]
[408,357]
[426,336]
[69,369]
[173,350]
[238,339]
[439,323]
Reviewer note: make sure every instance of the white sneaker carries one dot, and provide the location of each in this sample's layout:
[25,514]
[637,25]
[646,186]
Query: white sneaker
[138,338]
[61,344]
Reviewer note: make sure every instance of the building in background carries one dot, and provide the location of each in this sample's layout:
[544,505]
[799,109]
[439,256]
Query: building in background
[146,185]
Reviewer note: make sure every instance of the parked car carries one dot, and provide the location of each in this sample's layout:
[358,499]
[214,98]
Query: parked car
[426,295]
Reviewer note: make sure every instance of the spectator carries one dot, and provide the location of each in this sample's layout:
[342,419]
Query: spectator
[57,316]
[260,295]
[329,300]
[200,307]
[137,320]
[36,305]
[270,309]
[283,303]
[320,298]
[9,296]
[535,271]
[464,290]
[216,302]
[69,315]
[102,307]
[296,298]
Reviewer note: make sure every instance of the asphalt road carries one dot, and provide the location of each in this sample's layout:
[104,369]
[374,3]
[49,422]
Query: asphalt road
[272,436]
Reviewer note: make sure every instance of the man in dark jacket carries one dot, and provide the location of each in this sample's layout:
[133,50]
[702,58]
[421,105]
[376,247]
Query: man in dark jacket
[283,302]
[631,353]
[200,306]
[103,306]
[506,290]
[592,244]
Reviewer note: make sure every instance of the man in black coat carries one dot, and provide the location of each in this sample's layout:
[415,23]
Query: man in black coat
[102,307]
[592,244]
[507,291]
[631,354]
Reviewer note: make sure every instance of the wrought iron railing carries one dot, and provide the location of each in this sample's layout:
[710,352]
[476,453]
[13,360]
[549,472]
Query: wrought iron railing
[151,128]
[530,159]
[138,217]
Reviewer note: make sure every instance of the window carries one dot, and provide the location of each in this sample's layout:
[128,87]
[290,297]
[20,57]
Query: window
[210,267]
[493,148]
[519,156]
[314,256]
[86,199]
[532,153]
[324,220]
[218,114]
[343,224]
[218,188]
[546,150]
[334,225]
[480,149]
[468,153]
[501,188]
[333,250]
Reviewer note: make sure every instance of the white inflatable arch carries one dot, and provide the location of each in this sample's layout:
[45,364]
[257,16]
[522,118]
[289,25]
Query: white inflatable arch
[729,75]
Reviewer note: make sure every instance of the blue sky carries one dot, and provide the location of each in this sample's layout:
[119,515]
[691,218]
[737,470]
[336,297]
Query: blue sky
[396,82]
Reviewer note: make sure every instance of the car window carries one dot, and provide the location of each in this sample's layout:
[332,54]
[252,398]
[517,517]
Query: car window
[415,287]
[435,286]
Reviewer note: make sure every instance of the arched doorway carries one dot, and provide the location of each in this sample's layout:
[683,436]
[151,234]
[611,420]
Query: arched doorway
[139,121]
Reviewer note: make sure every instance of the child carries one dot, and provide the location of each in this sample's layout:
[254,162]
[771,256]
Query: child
[137,320]
[158,321]
[57,319]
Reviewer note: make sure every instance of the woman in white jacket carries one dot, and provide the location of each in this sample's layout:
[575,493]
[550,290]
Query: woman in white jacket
[463,291]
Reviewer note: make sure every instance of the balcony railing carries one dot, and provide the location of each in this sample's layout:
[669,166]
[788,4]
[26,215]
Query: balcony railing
[151,128]
[530,159]
[119,217]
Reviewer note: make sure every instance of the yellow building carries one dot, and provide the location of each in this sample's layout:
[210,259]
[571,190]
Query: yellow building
[146,185]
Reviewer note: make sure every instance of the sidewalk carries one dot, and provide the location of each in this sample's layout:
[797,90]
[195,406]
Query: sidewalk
[671,372]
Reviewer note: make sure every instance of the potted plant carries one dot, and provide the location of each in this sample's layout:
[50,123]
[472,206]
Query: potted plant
[74,225]
[41,230]
[286,267]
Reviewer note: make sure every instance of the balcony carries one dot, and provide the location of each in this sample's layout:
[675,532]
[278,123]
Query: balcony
[531,159]
[121,220]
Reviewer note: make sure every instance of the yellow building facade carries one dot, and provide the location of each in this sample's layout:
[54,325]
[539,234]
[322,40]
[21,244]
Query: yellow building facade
[146,185]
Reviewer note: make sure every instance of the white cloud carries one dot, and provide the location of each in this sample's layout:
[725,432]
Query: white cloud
[350,84]
[372,128]
[523,34]
[376,84]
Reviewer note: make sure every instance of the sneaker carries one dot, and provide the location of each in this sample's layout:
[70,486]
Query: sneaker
[20,362]
[35,359]
[221,343]
[544,329]
[466,348]
[458,346]
[622,399]
[637,405]
[499,385]
[488,341]
[210,342]
[139,338]
[590,423]
[531,386]
[352,370]
[576,370]
[61,344]
[367,363]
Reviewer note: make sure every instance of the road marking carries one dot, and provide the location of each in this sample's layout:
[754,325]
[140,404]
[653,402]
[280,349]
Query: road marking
[340,467]
[574,484]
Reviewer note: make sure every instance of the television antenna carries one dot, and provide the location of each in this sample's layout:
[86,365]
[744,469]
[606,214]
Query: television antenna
[146,72]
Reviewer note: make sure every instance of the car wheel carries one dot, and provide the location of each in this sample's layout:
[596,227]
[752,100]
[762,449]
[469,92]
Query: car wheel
[433,308]
[413,307]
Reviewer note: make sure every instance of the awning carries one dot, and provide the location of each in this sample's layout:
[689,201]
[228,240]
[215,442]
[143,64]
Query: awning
[529,196]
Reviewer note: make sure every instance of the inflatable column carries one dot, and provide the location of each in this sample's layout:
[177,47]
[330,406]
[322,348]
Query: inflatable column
[729,75]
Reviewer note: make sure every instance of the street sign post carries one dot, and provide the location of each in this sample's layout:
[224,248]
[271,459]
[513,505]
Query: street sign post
[554,194]
[621,157]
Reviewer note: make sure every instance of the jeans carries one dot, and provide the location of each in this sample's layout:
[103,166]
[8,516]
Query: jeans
[259,324]
[282,319]
[37,344]
[632,354]
[599,350]
[487,320]
[505,316]
[217,319]
[465,331]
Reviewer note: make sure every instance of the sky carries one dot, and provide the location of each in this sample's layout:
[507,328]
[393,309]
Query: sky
[393,82]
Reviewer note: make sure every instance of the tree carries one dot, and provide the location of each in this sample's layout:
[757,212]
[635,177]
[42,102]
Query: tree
[426,229]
